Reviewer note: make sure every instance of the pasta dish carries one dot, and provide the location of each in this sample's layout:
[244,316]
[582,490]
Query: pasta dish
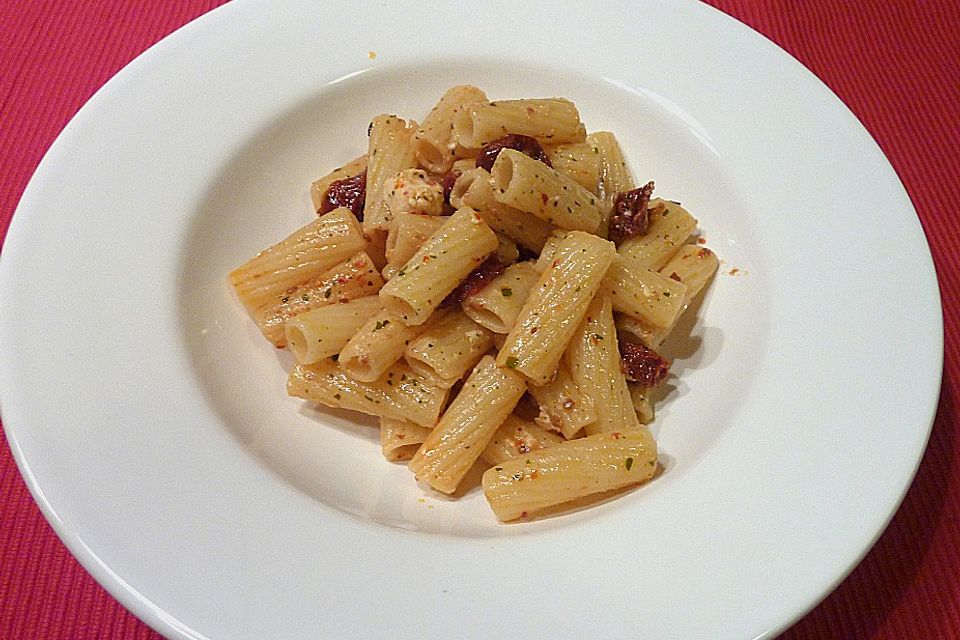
[495,287]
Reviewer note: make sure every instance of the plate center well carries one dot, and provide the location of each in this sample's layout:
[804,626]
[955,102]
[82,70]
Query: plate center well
[261,196]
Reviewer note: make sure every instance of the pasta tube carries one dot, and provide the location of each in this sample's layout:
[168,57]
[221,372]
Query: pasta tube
[579,161]
[614,175]
[517,437]
[376,347]
[556,306]
[563,407]
[529,185]
[570,470]
[399,394]
[308,252]
[450,345]
[400,439]
[594,361]
[323,332]
[438,266]
[474,189]
[551,120]
[644,294]
[407,234]
[352,278]
[389,152]
[498,304]
[670,226]
[434,142]
[487,398]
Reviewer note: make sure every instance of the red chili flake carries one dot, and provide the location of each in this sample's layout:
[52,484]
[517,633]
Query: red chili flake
[524,144]
[543,198]
[349,192]
[701,240]
[703,253]
[616,435]
[523,515]
[675,276]
[476,281]
[630,216]
[642,364]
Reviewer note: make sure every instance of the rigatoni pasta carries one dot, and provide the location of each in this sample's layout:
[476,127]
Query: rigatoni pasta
[529,185]
[448,347]
[526,277]
[497,305]
[434,142]
[456,249]
[389,151]
[487,398]
[558,302]
[574,469]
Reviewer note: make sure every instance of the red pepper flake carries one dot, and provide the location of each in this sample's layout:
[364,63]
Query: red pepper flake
[701,240]
[704,253]
[543,198]
[524,144]
[534,474]
[642,364]
[616,435]
[476,281]
[349,192]
[675,276]
[523,515]
[630,216]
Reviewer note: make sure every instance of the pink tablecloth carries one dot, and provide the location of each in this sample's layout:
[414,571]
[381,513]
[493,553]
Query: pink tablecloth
[895,63]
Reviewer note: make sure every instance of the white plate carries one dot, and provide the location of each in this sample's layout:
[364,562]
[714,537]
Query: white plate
[149,418]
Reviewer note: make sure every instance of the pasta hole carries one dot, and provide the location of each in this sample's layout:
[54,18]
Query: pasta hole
[502,171]
[433,157]
[297,343]
[463,128]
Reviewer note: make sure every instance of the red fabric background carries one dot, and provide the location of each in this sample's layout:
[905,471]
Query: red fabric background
[896,64]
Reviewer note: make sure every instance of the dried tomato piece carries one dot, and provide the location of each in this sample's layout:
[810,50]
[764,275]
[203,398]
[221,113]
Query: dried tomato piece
[630,217]
[349,192]
[476,280]
[524,144]
[642,364]
[447,182]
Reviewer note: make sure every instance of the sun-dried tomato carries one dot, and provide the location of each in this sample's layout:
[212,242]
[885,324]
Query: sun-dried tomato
[349,192]
[447,182]
[630,217]
[476,280]
[642,364]
[524,144]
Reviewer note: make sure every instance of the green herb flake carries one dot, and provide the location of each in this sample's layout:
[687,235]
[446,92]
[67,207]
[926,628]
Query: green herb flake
[506,292]
[512,363]
[329,290]
[597,336]
[628,464]
[380,325]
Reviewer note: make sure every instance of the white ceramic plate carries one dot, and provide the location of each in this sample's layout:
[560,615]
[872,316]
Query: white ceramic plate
[149,417]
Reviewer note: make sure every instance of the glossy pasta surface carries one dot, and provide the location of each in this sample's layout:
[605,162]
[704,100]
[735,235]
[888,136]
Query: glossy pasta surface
[470,295]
